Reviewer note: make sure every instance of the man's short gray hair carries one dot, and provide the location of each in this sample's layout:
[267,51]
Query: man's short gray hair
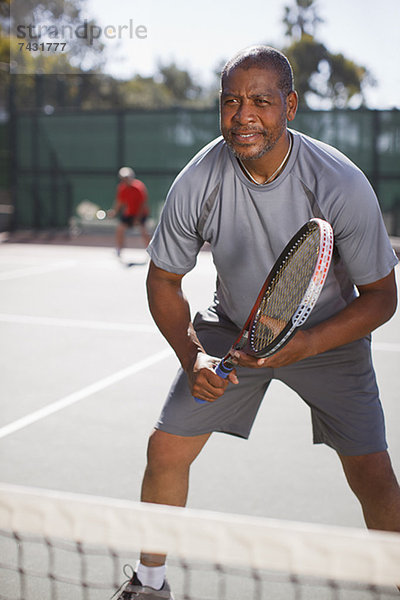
[263,57]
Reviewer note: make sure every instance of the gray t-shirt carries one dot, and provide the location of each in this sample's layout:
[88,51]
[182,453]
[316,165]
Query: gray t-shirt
[248,225]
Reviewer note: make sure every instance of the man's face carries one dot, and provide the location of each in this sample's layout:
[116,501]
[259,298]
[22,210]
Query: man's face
[254,111]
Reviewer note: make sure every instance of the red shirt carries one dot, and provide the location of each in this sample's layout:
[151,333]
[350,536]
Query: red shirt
[133,195]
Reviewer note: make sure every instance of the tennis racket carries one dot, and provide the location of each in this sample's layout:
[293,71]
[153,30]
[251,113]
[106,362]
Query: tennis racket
[288,295]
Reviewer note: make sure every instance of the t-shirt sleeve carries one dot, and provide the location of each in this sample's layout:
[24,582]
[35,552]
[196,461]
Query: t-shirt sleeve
[176,241]
[360,233]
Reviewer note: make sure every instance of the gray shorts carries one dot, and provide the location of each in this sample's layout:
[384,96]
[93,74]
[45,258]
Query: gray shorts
[339,386]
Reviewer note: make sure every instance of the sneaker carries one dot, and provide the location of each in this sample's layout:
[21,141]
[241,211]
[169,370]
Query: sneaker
[134,590]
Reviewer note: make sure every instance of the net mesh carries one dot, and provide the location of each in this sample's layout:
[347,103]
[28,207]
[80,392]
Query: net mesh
[58,546]
[286,290]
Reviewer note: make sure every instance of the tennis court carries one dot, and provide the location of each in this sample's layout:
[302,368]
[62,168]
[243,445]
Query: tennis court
[84,374]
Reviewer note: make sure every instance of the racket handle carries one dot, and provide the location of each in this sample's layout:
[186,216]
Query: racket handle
[223,370]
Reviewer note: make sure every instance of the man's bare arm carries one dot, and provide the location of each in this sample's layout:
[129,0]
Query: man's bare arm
[171,312]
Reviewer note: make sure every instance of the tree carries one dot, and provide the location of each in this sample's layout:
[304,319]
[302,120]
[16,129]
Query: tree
[306,57]
[77,77]
[301,19]
[37,20]
[320,74]
[51,21]
[179,82]
[346,79]
[145,92]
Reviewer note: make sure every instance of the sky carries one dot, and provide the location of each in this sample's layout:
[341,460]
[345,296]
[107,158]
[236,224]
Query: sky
[200,35]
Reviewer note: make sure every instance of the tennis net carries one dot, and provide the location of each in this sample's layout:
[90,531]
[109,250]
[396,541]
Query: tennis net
[55,546]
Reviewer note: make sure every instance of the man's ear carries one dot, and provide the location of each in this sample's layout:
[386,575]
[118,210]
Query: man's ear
[291,105]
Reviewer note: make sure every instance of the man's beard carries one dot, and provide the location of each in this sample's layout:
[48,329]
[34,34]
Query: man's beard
[266,147]
[270,138]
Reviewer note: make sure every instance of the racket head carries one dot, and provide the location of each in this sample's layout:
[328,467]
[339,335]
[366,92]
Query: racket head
[290,291]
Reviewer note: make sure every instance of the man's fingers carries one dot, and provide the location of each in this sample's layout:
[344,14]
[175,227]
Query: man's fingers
[245,360]
[205,383]
[208,385]
[232,377]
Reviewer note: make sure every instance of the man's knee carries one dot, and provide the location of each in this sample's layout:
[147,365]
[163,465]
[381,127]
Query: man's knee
[372,473]
[166,450]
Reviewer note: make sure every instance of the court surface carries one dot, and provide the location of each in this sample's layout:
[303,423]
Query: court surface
[85,372]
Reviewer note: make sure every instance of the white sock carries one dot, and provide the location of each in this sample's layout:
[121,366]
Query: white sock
[151,576]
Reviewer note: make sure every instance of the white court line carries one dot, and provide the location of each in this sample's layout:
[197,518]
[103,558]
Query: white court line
[80,323]
[85,392]
[386,346]
[38,270]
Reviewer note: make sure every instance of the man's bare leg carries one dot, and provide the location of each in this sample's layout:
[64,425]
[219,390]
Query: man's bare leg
[373,481]
[166,478]
[120,236]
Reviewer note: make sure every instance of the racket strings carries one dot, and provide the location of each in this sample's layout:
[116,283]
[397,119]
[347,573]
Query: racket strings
[286,290]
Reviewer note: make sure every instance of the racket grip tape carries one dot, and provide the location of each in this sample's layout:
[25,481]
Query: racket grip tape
[223,370]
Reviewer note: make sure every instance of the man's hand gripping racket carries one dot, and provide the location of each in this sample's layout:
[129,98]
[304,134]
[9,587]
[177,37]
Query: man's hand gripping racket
[288,295]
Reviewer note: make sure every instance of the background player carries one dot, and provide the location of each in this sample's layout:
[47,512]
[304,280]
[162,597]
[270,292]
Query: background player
[130,206]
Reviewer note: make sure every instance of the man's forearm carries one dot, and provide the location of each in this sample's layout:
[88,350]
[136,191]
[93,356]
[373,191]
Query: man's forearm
[171,313]
[374,307]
